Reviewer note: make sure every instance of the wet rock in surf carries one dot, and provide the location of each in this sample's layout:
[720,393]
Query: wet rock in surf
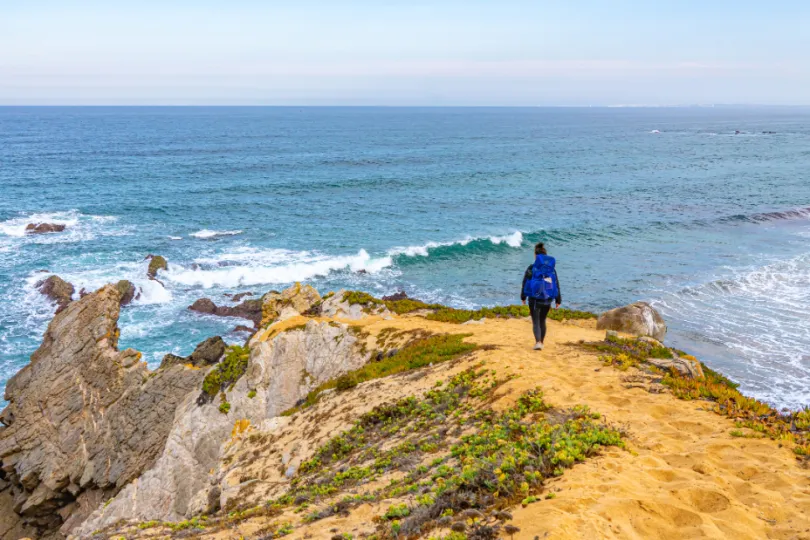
[156,262]
[127,290]
[249,309]
[43,228]
[639,319]
[58,290]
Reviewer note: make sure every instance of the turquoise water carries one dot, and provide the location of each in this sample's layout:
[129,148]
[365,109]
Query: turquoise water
[711,226]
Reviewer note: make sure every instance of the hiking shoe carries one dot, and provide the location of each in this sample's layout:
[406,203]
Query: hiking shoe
[538,346]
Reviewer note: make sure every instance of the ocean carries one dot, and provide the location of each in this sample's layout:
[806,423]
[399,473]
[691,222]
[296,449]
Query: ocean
[705,212]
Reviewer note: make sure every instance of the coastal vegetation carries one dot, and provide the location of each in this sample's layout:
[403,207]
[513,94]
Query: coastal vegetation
[459,464]
[228,371]
[442,313]
[753,415]
[432,349]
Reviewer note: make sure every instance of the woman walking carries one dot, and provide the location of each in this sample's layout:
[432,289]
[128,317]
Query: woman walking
[541,287]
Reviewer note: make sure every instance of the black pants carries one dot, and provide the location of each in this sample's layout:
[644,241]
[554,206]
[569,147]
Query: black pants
[539,310]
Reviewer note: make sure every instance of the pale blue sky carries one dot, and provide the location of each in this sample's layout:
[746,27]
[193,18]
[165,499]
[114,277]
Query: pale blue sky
[415,52]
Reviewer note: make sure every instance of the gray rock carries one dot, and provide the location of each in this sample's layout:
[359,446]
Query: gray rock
[180,483]
[83,418]
[208,352]
[640,319]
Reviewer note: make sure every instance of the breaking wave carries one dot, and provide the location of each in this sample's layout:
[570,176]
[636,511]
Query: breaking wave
[206,233]
[257,267]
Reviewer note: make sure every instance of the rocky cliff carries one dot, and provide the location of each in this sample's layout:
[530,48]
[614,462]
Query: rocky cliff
[83,419]
[285,362]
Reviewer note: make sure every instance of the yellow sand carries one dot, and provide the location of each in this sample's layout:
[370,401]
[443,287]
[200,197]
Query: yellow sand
[689,477]
[683,476]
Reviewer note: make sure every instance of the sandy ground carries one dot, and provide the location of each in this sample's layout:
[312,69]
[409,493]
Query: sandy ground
[688,478]
[683,475]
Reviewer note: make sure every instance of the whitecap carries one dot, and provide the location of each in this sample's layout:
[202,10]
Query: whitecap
[257,267]
[175,238]
[206,233]
[514,240]
[78,227]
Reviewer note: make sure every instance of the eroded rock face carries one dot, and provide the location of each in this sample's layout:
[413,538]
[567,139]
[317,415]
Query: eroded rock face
[42,228]
[83,417]
[288,303]
[58,290]
[282,368]
[640,319]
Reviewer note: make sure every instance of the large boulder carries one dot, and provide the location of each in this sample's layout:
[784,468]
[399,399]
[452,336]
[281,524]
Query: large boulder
[640,319]
[58,290]
[290,302]
[42,228]
[283,367]
[83,419]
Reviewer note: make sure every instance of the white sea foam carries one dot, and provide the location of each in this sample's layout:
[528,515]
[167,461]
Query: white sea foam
[512,240]
[206,233]
[757,320]
[78,227]
[257,267]
[175,238]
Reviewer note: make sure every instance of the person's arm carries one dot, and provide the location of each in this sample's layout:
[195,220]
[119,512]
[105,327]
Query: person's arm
[559,289]
[526,276]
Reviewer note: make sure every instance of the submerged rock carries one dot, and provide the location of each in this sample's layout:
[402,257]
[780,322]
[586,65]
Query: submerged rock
[640,319]
[42,228]
[156,262]
[83,418]
[58,290]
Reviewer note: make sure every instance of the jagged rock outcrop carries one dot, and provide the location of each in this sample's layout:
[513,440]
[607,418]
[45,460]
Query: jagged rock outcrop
[42,228]
[58,290]
[83,418]
[277,306]
[249,309]
[640,319]
[156,262]
[206,353]
[339,306]
[283,367]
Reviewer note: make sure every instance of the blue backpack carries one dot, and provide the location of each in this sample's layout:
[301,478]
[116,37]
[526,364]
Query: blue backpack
[543,283]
